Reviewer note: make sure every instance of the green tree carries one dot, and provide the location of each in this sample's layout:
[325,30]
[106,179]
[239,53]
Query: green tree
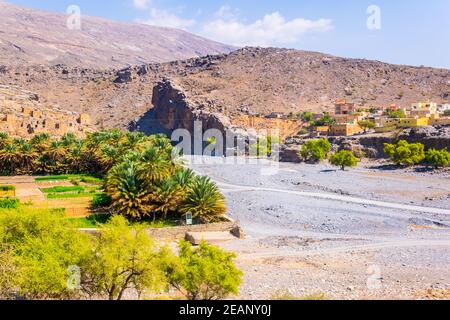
[307,116]
[366,124]
[438,158]
[155,165]
[397,114]
[343,159]
[38,247]
[204,200]
[167,197]
[129,192]
[315,150]
[326,120]
[4,139]
[123,258]
[203,273]
[404,153]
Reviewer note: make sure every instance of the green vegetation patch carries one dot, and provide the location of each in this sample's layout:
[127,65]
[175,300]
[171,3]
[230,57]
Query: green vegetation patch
[9,203]
[52,178]
[101,200]
[76,177]
[70,195]
[91,180]
[60,189]
[98,220]
[7,188]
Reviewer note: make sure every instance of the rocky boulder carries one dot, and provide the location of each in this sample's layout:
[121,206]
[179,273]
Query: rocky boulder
[123,76]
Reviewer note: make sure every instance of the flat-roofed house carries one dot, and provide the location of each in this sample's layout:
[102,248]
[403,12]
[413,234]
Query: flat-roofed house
[344,107]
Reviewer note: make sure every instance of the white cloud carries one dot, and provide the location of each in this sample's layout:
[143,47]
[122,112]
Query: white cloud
[226,12]
[271,30]
[165,18]
[141,4]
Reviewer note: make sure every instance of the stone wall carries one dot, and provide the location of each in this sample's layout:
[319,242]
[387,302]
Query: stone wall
[179,233]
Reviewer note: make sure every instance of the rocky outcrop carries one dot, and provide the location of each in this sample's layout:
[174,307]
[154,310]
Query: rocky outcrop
[372,146]
[173,110]
[431,137]
[290,154]
[123,76]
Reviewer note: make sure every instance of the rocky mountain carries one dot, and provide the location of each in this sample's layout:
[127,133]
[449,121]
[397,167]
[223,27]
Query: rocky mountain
[226,88]
[29,36]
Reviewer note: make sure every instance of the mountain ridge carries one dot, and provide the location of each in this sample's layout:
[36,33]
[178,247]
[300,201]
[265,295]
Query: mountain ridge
[30,36]
[249,81]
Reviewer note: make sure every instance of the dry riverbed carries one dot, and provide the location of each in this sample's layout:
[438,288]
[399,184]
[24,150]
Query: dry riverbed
[366,233]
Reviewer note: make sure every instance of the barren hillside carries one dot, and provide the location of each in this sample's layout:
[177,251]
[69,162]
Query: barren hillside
[30,36]
[247,81]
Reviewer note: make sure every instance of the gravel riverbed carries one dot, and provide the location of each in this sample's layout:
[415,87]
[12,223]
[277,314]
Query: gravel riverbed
[308,232]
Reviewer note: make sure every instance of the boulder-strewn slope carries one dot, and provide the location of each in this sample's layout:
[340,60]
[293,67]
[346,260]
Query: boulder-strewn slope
[30,36]
[247,81]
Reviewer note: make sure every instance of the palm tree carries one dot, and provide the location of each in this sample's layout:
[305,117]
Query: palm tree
[129,193]
[10,159]
[75,156]
[68,139]
[40,142]
[184,177]
[54,158]
[154,166]
[107,156]
[167,198]
[4,139]
[27,156]
[204,200]
[134,141]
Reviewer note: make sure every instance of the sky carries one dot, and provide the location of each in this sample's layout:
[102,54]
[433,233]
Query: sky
[413,32]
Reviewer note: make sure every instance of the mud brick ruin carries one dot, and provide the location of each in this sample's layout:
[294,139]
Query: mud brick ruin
[22,115]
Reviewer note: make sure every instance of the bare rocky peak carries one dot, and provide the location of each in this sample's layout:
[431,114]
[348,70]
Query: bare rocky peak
[29,36]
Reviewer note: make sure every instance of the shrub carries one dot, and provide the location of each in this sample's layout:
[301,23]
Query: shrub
[438,158]
[326,120]
[203,273]
[9,203]
[397,114]
[91,180]
[7,188]
[344,159]
[404,153]
[315,150]
[204,200]
[366,124]
[101,200]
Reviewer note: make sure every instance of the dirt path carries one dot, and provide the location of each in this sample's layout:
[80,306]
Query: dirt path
[26,188]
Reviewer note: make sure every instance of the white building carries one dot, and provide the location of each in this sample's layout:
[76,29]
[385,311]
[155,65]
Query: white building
[444,107]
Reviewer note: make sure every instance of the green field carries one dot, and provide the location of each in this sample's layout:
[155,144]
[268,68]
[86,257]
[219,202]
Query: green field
[60,189]
[76,177]
[71,195]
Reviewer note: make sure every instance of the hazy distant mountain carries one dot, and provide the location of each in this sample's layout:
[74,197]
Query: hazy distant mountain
[29,36]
